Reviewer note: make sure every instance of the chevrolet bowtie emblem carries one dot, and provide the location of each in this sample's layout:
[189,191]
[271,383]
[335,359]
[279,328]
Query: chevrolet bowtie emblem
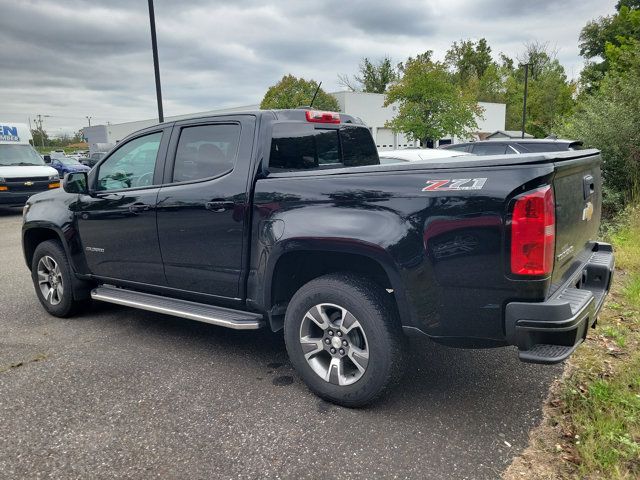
[587,213]
[28,184]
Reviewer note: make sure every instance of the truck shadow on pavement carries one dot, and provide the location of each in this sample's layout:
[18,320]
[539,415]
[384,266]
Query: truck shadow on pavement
[450,381]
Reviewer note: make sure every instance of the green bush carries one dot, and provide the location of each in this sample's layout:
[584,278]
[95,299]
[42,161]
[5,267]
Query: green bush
[609,120]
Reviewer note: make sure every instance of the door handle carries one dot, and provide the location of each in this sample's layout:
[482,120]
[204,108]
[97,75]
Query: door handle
[588,186]
[139,207]
[219,205]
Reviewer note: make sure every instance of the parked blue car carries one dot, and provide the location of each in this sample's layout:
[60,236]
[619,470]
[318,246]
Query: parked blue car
[65,164]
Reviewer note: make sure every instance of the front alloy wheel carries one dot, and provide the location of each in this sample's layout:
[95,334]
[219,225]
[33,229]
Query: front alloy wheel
[334,344]
[50,280]
[53,280]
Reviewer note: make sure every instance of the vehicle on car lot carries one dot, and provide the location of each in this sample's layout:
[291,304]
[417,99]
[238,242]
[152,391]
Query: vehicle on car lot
[509,146]
[286,220]
[417,155]
[23,172]
[92,159]
[64,164]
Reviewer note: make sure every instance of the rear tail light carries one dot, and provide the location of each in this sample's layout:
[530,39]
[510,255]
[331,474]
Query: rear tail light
[533,233]
[322,117]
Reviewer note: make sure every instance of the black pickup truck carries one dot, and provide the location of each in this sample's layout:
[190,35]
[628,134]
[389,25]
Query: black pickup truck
[286,220]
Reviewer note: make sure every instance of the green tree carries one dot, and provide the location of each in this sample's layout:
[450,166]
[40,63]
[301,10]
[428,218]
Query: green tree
[469,59]
[430,104]
[292,92]
[609,119]
[550,93]
[614,29]
[78,137]
[372,77]
[39,136]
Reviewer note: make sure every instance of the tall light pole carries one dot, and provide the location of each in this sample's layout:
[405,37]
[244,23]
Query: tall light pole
[524,103]
[88,119]
[156,66]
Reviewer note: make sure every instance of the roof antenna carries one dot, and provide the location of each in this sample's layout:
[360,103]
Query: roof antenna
[314,95]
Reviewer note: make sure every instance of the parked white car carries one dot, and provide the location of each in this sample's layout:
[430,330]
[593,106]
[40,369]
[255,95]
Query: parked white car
[23,172]
[418,155]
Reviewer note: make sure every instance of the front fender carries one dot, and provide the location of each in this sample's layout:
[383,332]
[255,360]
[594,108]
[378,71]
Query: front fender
[53,211]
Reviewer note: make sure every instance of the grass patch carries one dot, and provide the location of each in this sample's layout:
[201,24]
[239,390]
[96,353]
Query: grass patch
[600,396]
[632,290]
[591,428]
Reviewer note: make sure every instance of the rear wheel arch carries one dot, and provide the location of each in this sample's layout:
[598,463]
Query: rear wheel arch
[295,268]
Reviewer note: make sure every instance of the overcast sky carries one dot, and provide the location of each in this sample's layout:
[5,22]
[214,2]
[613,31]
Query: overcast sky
[72,58]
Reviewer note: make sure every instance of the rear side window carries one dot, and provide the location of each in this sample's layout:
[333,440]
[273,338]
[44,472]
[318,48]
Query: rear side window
[489,149]
[540,147]
[358,148]
[304,147]
[459,148]
[206,151]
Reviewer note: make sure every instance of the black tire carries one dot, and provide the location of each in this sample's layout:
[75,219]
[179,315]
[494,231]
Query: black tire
[66,305]
[371,306]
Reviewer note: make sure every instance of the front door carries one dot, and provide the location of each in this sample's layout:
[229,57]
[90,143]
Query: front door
[202,208]
[117,222]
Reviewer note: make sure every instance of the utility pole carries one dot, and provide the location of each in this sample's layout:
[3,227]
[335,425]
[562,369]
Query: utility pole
[38,123]
[30,129]
[526,84]
[88,119]
[156,66]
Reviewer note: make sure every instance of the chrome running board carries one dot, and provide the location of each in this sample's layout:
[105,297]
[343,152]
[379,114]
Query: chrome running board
[201,312]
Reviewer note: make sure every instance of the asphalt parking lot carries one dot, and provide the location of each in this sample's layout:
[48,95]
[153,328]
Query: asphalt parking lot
[119,393]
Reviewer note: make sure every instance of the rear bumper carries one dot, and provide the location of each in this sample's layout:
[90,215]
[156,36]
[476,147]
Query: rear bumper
[550,331]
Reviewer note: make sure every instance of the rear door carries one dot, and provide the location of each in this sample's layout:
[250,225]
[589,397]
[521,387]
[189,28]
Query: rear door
[578,194]
[203,207]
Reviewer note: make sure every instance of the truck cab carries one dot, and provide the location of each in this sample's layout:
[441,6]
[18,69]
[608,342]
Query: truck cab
[23,172]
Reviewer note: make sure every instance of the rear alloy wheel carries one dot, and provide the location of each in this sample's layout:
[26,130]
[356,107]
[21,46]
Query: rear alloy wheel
[344,338]
[334,343]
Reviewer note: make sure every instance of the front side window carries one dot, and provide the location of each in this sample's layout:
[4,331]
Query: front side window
[132,165]
[206,151]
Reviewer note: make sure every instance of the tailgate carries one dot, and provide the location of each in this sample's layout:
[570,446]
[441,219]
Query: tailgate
[578,194]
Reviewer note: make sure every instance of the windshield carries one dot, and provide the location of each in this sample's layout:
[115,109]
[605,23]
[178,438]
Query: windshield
[19,155]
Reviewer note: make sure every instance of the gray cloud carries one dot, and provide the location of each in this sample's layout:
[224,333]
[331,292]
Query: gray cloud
[71,58]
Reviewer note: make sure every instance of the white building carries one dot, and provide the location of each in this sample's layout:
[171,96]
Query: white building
[370,108]
[367,106]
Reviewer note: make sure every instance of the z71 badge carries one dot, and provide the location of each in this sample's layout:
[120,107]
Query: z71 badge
[454,184]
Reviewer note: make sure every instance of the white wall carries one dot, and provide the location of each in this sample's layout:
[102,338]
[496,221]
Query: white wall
[495,117]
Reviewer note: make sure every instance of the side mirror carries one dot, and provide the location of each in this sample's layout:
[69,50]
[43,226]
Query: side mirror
[76,182]
[47,159]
